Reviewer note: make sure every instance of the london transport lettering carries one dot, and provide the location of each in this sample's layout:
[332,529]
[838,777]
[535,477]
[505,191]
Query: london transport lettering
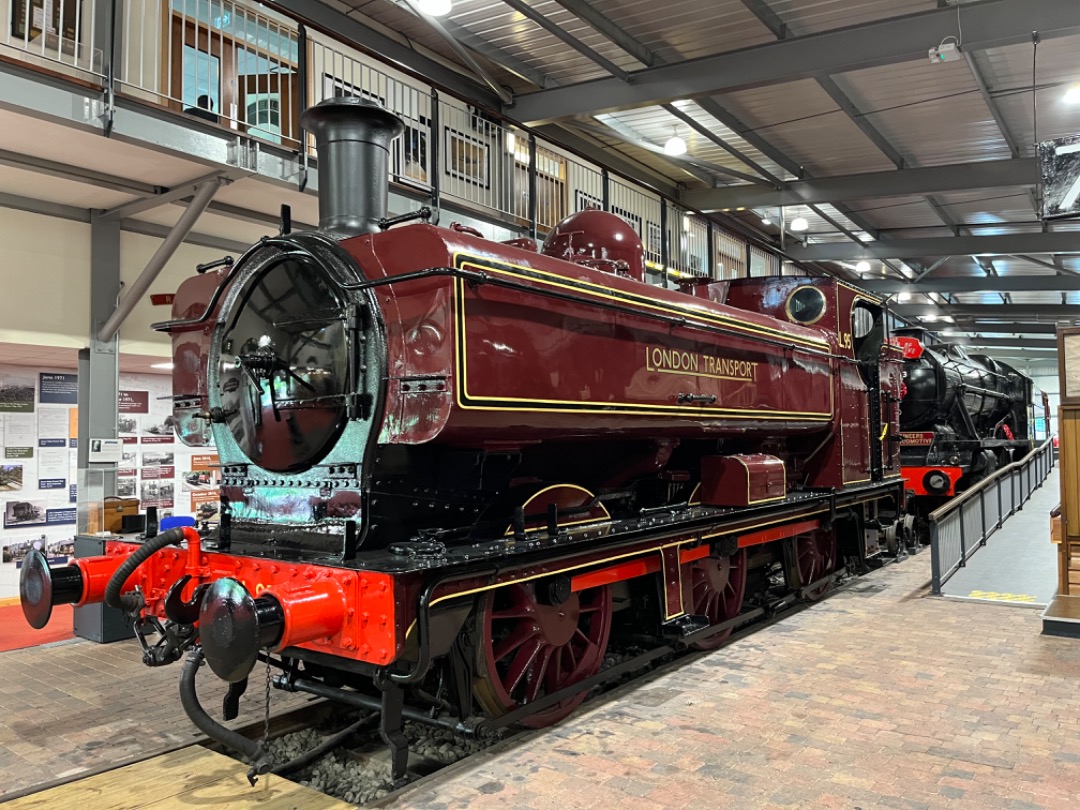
[699,365]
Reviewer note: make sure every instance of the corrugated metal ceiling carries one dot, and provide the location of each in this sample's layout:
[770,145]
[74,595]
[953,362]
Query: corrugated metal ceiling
[920,107]
[813,16]
[800,119]
[685,29]
[931,114]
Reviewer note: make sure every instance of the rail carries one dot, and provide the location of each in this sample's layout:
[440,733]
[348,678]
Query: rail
[251,69]
[963,525]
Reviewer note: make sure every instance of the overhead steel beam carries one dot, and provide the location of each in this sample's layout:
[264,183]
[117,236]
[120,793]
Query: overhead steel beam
[691,165]
[74,214]
[505,96]
[708,134]
[970,284]
[497,55]
[986,24]
[585,11]
[158,261]
[165,196]
[193,238]
[832,89]
[1008,313]
[898,183]
[323,16]
[1068,242]
[557,31]
[49,209]
[1019,328]
[686,161]
[65,171]
[992,343]
[769,18]
[991,104]
[721,114]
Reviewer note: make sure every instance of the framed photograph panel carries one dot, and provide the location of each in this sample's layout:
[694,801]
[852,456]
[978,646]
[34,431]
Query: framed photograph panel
[468,158]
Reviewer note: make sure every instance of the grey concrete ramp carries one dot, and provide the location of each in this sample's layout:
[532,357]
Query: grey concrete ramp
[1018,564]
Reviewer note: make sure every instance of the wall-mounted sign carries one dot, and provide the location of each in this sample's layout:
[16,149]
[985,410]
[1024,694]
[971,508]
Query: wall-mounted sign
[106,451]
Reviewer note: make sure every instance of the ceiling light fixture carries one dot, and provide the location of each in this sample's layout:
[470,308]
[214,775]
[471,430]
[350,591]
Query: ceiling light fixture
[904,296]
[862,267]
[799,224]
[435,8]
[1072,95]
[765,220]
[675,145]
[163,366]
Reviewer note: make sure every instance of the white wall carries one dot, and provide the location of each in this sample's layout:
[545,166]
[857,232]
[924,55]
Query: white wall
[45,267]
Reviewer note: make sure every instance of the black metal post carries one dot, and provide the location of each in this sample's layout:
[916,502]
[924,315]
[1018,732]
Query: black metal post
[963,539]
[664,247]
[982,515]
[435,170]
[935,560]
[302,82]
[605,189]
[532,186]
[710,254]
[1000,506]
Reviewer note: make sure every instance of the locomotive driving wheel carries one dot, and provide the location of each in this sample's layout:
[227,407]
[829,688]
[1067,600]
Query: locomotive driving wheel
[815,556]
[717,588]
[529,648]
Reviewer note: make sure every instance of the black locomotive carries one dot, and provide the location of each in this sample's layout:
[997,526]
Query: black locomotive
[962,417]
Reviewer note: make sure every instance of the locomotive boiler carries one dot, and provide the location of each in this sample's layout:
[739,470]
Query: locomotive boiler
[453,470]
[962,417]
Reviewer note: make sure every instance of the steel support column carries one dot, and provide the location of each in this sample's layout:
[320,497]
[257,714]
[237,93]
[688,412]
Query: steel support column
[158,261]
[99,365]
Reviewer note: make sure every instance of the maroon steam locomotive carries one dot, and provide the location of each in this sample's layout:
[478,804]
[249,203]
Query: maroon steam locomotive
[454,469]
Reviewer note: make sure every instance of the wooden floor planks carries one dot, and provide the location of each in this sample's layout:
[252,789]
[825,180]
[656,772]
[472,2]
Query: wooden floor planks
[190,778]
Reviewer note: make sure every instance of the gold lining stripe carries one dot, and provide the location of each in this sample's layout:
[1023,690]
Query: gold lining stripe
[640,553]
[640,409]
[612,294]
[535,495]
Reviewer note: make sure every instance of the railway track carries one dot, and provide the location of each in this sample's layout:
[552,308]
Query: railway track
[356,769]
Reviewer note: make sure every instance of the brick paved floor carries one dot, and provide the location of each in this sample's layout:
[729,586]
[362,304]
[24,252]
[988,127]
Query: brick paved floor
[880,697]
[76,705]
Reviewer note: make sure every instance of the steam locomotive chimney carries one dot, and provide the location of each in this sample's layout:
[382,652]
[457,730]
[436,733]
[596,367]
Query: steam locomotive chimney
[352,138]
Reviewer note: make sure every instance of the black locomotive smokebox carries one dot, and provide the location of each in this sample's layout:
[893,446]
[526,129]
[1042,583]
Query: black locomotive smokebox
[36,589]
[229,630]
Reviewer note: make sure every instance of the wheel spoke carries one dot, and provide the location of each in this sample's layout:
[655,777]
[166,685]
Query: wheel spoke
[524,655]
[536,674]
[554,671]
[521,665]
[512,613]
[522,633]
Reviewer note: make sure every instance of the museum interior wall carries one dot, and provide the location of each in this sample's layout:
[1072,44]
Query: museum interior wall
[47,279]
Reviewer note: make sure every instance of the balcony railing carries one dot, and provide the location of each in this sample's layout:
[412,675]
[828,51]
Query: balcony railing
[251,70]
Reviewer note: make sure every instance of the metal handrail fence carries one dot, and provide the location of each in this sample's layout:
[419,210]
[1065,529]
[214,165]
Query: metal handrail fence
[963,525]
[251,69]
